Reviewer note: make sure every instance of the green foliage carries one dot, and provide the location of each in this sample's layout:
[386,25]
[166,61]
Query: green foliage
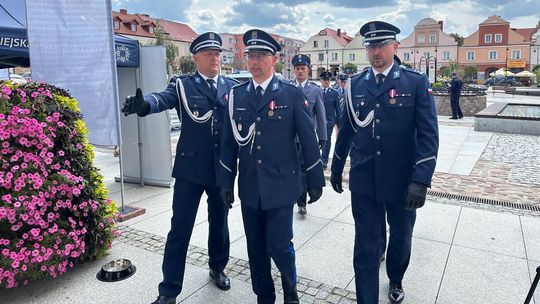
[458,38]
[279,67]
[171,50]
[350,67]
[186,65]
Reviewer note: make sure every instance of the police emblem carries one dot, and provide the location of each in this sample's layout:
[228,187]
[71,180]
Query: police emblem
[212,36]
[372,27]
[254,35]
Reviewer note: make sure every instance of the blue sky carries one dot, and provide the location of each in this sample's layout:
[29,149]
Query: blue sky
[303,18]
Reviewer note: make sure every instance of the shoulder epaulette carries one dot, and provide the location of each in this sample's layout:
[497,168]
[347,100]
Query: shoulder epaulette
[313,83]
[407,69]
[287,82]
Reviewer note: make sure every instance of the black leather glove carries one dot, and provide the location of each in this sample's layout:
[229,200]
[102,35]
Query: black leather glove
[314,194]
[415,196]
[135,104]
[337,182]
[227,196]
[322,142]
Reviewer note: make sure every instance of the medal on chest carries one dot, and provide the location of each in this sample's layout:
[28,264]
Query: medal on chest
[196,113]
[271,108]
[392,94]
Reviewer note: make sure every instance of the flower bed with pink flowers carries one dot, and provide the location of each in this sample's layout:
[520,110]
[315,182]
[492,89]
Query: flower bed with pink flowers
[54,209]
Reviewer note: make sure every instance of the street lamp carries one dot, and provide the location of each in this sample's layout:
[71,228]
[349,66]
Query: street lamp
[327,65]
[506,60]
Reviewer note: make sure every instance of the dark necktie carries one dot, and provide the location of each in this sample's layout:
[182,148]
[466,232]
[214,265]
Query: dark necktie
[259,93]
[380,79]
[213,89]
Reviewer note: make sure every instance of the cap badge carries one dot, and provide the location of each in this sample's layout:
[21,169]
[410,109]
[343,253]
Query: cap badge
[372,27]
[254,35]
[212,36]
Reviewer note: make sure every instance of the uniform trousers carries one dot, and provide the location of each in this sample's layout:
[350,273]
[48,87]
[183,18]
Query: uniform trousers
[269,234]
[368,217]
[186,199]
[454,104]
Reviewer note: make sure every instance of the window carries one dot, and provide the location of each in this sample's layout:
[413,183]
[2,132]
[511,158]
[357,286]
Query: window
[421,39]
[133,27]
[151,30]
[432,39]
[492,55]
[315,44]
[406,56]
[426,54]
[326,43]
[351,57]
[334,56]
[321,56]
[498,38]
[470,56]
[445,55]
[116,25]
[516,54]
[487,38]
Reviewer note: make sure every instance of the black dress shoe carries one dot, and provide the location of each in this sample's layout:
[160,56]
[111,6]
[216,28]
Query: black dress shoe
[221,279]
[460,117]
[453,117]
[395,293]
[302,210]
[291,298]
[164,300]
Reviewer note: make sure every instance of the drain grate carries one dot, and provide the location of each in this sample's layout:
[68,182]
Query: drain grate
[479,200]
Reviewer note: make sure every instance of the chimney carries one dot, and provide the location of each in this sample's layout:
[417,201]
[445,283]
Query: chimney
[123,11]
[339,32]
[440,24]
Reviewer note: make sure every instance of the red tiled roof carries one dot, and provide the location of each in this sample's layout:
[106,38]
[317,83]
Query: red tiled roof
[178,31]
[494,20]
[343,39]
[526,32]
[125,25]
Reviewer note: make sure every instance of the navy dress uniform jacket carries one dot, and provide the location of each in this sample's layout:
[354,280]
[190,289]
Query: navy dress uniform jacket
[197,152]
[400,145]
[332,106]
[316,108]
[268,165]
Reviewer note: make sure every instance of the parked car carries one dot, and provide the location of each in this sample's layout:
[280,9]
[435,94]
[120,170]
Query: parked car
[500,81]
[16,78]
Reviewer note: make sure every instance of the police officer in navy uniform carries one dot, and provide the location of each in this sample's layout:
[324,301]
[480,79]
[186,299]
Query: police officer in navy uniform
[455,92]
[340,88]
[265,118]
[200,101]
[333,111]
[316,109]
[390,125]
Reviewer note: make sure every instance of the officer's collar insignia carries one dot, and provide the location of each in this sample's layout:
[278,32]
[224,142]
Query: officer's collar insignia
[368,75]
[212,36]
[254,35]
[248,89]
[396,74]
[275,86]
[221,80]
[198,80]
[372,27]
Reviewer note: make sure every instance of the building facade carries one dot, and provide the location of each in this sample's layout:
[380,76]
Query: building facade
[496,45]
[355,53]
[326,50]
[429,49]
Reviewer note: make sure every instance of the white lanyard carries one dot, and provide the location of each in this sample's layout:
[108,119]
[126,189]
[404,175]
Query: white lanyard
[352,116]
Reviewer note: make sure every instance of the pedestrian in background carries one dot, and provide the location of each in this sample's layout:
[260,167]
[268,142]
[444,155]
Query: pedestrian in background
[455,93]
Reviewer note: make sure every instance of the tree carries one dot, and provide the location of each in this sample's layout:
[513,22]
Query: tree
[536,68]
[406,64]
[458,38]
[171,50]
[279,67]
[452,67]
[186,65]
[470,72]
[350,68]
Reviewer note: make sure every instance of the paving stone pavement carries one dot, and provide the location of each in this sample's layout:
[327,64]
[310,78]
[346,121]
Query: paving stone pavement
[310,291]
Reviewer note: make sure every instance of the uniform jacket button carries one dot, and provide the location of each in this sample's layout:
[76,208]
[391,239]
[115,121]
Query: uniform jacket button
[377,120]
[258,147]
[259,161]
[378,137]
[377,105]
[258,119]
[378,153]
[258,132]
